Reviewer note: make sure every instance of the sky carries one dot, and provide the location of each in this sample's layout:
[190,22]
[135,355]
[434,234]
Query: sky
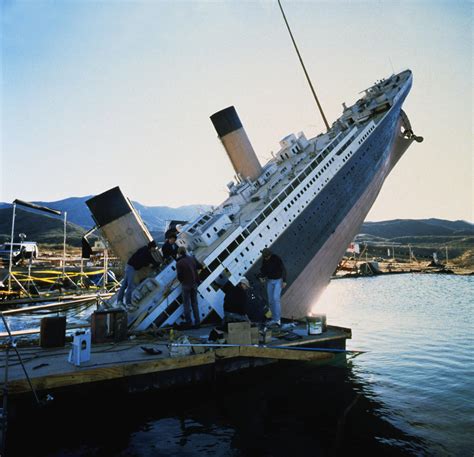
[96,94]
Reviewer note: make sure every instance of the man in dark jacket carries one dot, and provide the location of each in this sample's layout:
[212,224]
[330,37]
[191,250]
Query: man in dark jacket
[142,258]
[235,301]
[170,248]
[187,272]
[274,272]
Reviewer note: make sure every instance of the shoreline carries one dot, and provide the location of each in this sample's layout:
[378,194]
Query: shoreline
[358,268]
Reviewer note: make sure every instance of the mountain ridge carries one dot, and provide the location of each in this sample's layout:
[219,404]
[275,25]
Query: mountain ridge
[44,229]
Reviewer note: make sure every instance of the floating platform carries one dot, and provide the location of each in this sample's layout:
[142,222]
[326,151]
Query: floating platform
[126,362]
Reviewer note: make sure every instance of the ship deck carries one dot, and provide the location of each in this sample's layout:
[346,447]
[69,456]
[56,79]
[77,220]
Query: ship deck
[279,180]
[126,362]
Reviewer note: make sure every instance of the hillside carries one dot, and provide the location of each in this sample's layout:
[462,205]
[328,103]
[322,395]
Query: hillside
[413,228]
[39,228]
[155,217]
[45,229]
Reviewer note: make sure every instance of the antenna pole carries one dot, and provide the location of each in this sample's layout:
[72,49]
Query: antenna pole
[304,68]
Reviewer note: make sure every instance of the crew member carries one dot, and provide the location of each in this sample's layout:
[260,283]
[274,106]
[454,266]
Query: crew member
[274,272]
[187,272]
[142,258]
[236,301]
[170,248]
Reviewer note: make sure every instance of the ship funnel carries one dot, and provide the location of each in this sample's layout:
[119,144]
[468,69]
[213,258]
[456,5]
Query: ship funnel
[236,143]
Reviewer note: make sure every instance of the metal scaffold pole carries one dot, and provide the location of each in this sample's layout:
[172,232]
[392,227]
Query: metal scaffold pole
[64,244]
[11,250]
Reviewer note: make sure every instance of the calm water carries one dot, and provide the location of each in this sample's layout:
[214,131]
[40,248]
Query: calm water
[412,393]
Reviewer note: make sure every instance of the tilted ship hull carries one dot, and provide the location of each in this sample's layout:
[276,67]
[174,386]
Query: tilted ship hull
[306,204]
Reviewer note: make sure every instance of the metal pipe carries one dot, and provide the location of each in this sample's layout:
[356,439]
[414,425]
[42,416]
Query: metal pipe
[5,404]
[296,348]
[64,244]
[19,358]
[11,250]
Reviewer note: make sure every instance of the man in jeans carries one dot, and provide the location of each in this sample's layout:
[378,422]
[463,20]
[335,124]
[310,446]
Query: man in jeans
[187,271]
[142,258]
[274,272]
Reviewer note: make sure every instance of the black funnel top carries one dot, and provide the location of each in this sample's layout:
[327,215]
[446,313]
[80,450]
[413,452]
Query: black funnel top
[226,121]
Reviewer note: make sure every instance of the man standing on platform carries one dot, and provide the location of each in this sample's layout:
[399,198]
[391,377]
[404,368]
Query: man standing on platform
[187,271]
[274,272]
[142,258]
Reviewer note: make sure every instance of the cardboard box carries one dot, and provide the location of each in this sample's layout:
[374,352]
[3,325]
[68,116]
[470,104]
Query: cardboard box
[266,337]
[238,333]
[254,335]
[53,332]
[110,325]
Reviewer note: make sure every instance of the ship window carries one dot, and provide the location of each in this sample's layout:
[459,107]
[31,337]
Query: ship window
[214,264]
[240,238]
[252,243]
[173,307]
[268,227]
[260,219]
[252,226]
[223,255]
[267,212]
[207,234]
[160,319]
[247,249]
[205,272]
[232,246]
[260,235]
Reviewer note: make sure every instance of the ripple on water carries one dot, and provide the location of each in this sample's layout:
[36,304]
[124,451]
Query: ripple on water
[418,331]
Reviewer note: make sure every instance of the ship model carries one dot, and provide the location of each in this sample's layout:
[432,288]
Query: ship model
[306,204]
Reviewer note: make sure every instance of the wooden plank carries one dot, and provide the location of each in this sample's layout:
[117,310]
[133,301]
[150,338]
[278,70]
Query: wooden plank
[32,331]
[52,297]
[309,341]
[283,354]
[53,305]
[104,373]
[227,353]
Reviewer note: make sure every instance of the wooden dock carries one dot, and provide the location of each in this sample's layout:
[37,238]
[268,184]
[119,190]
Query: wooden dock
[128,363]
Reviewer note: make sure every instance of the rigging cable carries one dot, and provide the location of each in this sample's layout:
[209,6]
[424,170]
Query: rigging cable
[304,68]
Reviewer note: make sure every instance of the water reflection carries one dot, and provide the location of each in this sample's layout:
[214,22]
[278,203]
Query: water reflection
[410,394]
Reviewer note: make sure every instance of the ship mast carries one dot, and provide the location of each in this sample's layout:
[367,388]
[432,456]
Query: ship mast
[304,68]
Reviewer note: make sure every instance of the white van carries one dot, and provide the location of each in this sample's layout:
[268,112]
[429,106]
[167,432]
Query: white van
[25,250]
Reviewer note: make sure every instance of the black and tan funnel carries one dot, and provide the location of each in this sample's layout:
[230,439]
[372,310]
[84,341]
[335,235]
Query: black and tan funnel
[236,143]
